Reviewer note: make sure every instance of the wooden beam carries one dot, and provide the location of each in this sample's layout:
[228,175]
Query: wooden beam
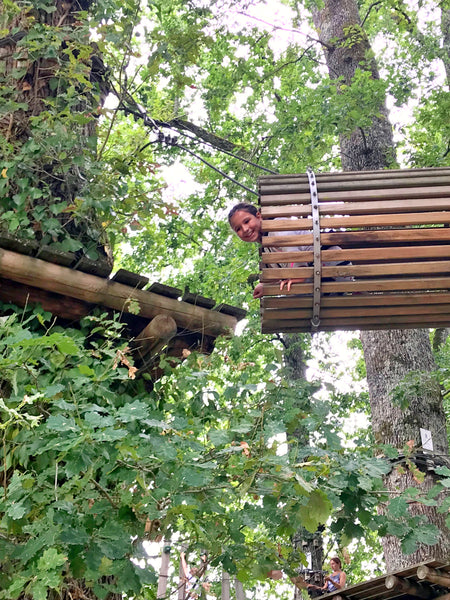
[404,586]
[93,289]
[429,574]
[366,270]
[60,306]
[376,285]
[239,590]
[384,177]
[366,300]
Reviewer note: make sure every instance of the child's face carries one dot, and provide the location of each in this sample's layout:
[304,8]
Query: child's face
[246,226]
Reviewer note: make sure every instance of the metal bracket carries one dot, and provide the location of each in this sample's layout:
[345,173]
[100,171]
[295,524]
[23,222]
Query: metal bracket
[317,281]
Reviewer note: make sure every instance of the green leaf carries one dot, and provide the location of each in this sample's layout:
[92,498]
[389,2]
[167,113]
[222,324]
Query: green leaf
[86,370]
[398,507]
[16,510]
[61,423]
[51,559]
[316,511]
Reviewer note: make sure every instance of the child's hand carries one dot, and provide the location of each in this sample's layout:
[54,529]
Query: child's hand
[289,282]
[258,291]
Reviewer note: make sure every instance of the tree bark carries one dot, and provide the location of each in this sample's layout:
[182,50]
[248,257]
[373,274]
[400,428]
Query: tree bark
[34,83]
[445,27]
[295,369]
[390,355]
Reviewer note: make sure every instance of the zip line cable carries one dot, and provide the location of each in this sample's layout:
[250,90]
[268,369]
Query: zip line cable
[170,140]
[177,145]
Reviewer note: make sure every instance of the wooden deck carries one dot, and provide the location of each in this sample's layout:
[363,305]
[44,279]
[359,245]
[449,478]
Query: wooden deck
[392,233]
[375,589]
[71,288]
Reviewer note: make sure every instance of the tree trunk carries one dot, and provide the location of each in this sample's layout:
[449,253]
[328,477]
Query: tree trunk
[390,355]
[295,368]
[445,27]
[47,139]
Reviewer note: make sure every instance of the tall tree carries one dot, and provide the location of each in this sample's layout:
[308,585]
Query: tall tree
[391,356]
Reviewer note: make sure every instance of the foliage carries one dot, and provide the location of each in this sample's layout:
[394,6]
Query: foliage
[90,457]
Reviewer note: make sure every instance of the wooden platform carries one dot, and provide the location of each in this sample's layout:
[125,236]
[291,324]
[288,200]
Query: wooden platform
[390,227]
[71,288]
[376,589]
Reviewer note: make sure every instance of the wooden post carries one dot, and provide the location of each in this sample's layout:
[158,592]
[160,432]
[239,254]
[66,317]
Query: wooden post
[239,590]
[225,586]
[424,572]
[182,575]
[407,587]
[164,570]
[152,338]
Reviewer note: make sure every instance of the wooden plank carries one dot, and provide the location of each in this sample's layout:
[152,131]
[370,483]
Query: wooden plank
[90,288]
[286,302]
[397,321]
[289,194]
[360,271]
[353,312]
[369,285]
[227,309]
[164,290]
[129,278]
[384,174]
[353,238]
[55,256]
[301,185]
[197,299]
[9,242]
[100,267]
[357,208]
[352,327]
[359,254]
[406,219]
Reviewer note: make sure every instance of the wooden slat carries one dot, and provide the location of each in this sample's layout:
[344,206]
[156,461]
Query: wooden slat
[358,208]
[359,254]
[398,322]
[351,311]
[287,302]
[301,184]
[352,238]
[288,194]
[380,285]
[367,270]
[385,175]
[396,220]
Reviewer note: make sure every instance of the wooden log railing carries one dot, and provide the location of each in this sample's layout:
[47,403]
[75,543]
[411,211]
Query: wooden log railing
[388,232]
[404,586]
[433,576]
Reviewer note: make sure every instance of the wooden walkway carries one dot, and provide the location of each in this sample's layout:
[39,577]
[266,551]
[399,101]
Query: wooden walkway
[406,585]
